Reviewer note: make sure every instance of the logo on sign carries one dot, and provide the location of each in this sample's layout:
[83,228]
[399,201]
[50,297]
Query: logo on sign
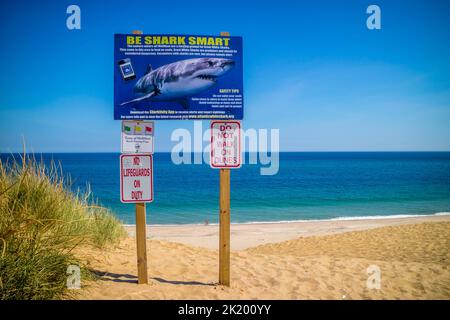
[137,136]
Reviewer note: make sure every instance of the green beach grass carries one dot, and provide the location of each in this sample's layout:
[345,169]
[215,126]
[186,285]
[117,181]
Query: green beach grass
[41,223]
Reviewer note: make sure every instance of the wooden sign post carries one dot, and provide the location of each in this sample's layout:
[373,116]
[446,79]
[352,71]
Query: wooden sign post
[224,231]
[224,221]
[136,186]
[225,154]
[141,243]
[141,233]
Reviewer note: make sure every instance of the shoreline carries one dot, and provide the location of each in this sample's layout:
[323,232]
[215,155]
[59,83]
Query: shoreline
[394,216]
[247,235]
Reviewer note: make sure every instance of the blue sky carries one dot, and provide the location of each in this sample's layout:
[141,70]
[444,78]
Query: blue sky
[311,69]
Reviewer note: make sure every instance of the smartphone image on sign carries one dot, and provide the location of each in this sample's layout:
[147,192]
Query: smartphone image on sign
[126,69]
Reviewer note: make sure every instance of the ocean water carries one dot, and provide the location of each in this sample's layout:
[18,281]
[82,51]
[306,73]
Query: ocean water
[308,186]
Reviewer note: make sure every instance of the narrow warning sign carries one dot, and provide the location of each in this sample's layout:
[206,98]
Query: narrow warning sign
[225,144]
[136,178]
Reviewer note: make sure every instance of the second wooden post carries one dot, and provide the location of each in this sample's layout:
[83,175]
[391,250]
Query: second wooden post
[224,231]
[141,233]
[141,243]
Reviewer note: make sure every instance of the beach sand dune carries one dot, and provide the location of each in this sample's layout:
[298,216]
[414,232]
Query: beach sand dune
[413,260]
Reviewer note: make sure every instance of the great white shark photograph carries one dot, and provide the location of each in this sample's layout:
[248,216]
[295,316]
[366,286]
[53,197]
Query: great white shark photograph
[179,80]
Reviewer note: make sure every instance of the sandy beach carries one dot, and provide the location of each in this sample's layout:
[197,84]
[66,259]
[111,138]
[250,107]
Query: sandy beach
[300,260]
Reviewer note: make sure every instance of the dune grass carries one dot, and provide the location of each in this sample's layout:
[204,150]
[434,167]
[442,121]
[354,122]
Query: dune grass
[41,223]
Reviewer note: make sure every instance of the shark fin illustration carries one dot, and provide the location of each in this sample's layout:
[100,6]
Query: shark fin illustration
[147,96]
[149,69]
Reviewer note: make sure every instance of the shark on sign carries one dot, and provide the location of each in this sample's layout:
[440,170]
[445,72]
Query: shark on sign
[179,80]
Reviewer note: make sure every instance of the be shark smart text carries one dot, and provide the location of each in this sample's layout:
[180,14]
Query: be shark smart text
[178,40]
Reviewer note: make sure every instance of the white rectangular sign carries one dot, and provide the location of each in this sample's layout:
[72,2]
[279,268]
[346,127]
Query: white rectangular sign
[136,178]
[225,144]
[137,136]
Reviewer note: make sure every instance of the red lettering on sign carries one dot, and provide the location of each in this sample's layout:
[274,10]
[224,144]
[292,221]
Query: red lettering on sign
[136,195]
[225,144]
[136,179]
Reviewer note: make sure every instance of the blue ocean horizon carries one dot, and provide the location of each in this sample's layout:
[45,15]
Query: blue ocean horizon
[308,186]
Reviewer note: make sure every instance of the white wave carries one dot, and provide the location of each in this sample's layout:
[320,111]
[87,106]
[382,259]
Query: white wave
[395,216]
[442,214]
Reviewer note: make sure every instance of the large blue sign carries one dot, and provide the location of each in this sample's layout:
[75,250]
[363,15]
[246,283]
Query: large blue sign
[167,77]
